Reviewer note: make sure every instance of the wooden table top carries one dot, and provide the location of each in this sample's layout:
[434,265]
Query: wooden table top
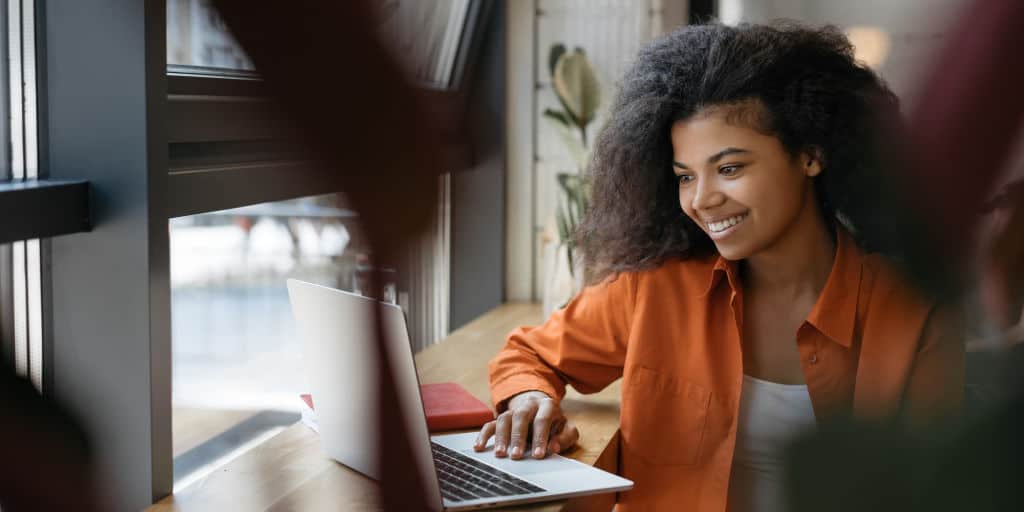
[289,471]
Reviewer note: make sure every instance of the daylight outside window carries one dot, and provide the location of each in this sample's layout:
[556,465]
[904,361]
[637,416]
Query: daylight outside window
[197,36]
[237,362]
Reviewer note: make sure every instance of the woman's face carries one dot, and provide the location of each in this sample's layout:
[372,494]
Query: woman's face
[739,185]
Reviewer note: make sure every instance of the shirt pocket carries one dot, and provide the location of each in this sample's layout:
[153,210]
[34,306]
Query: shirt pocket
[663,417]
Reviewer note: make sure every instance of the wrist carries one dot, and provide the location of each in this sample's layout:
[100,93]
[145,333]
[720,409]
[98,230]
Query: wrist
[528,395]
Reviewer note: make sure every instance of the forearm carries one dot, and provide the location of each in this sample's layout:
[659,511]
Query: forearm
[517,369]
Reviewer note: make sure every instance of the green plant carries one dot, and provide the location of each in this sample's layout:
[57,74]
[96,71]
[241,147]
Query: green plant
[576,86]
[571,207]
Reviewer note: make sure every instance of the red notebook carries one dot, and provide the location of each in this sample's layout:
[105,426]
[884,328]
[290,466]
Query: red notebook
[448,405]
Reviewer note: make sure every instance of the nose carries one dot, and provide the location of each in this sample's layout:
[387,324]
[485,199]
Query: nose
[706,195]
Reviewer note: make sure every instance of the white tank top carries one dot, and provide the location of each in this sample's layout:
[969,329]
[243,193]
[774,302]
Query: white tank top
[770,416]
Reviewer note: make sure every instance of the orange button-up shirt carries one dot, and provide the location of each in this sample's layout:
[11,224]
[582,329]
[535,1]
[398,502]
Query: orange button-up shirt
[871,347]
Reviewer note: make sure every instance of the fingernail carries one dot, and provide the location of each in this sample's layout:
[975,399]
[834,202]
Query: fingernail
[499,449]
[538,452]
[517,452]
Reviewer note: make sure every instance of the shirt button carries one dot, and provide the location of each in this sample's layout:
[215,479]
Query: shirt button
[813,359]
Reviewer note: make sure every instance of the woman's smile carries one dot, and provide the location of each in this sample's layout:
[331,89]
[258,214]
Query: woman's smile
[721,228]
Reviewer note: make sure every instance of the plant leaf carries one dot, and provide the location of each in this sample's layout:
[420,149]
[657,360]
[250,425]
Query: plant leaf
[577,86]
[559,116]
[553,55]
[558,52]
[563,222]
[568,254]
[572,142]
[570,202]
[568,113]
[562,178]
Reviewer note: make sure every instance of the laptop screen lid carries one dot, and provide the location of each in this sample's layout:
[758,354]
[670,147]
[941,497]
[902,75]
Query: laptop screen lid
[338,336]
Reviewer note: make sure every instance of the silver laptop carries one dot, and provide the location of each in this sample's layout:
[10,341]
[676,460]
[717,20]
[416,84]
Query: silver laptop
[338,339]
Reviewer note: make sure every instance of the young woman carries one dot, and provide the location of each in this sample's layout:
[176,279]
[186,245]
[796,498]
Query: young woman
[737,297]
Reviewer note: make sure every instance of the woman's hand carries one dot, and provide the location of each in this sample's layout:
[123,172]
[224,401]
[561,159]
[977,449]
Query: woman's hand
[532,417]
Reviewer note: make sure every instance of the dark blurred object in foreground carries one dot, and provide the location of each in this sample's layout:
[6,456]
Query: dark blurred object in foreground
[1001,258]
[961,136]
[45,461]
[848,467]
[327,67]
[853,468]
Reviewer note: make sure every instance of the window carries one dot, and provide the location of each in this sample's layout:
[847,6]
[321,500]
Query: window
[238,368]
[235,236]
[6,306]
[430,35]
[160,110]
[197,37]
[24,192]
[237,361]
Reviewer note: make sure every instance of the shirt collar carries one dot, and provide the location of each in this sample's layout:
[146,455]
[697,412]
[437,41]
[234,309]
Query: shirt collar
[722,267]
[835,312]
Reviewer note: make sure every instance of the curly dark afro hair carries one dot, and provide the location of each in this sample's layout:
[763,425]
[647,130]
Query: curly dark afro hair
[807,90]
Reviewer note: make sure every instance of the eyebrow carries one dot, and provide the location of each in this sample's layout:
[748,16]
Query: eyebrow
[715,157]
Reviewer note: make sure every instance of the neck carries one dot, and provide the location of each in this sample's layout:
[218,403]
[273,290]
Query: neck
[798,263]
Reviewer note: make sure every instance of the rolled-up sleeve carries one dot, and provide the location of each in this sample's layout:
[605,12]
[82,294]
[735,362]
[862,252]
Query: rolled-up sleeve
[583,344]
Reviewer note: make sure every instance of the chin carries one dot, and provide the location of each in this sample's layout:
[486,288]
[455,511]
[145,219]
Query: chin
[733,252]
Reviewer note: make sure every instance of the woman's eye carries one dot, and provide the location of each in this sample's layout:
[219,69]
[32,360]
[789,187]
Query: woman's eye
[729,170]
[684,179]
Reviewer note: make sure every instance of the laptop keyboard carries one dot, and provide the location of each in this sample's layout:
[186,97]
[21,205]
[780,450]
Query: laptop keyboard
[464,478]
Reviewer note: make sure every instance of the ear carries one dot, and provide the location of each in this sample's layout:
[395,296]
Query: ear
[811,161]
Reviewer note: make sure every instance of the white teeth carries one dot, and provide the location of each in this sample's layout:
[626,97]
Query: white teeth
[724,224]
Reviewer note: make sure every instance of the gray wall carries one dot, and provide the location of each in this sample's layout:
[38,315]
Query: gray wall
[478,193]
[109,341]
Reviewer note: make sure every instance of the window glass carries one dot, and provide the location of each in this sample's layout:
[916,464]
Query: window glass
[6,307]
[237,362]
[197,36]
[428,34]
